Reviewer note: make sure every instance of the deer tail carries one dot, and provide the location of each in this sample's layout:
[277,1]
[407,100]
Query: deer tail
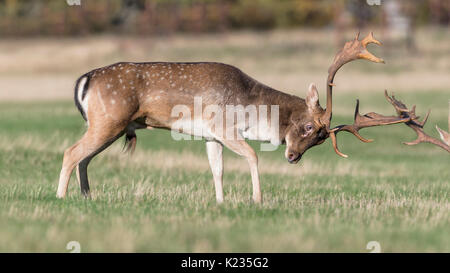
[80,96]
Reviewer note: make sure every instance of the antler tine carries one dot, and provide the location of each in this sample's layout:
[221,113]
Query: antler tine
[370,39]
[357,119]
[443,134]
[398,105]
[425,119]
[334,141]
[417,126]
[365,54]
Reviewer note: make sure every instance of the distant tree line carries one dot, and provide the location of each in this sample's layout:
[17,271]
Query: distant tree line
[56,17]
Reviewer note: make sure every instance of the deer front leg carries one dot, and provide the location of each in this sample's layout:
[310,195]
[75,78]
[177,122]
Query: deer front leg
[214,150]
[242,148]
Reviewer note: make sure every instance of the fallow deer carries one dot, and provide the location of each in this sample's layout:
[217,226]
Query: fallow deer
[120,98]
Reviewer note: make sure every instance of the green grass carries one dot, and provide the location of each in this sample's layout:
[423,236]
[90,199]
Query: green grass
[385,191]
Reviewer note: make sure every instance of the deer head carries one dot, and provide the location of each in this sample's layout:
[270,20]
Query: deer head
[312,127]
[315,129]
[305,129]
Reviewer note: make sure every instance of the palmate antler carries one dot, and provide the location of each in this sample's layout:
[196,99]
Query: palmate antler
[404,116]
[354,50]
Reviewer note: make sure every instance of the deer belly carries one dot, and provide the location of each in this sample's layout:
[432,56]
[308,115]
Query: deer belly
[195,127]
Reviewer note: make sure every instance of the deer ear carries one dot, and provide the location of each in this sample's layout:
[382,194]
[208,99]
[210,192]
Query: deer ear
[312,99]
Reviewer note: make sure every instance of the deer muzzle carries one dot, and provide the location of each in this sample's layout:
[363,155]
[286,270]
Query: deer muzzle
[294,157]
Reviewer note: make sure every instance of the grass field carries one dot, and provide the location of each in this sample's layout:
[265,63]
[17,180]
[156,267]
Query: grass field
[162,198]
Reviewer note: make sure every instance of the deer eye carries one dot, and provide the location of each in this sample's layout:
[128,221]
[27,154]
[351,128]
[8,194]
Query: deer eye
[308,127]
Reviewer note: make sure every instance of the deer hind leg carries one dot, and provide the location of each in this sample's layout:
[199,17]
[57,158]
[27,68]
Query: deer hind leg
[82,175]
[130,144]
[242,148]
[214,150]
[94,141]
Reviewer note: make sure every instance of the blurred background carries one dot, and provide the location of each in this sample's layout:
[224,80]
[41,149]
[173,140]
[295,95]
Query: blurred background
[149,17]
[46,44]
[162,199]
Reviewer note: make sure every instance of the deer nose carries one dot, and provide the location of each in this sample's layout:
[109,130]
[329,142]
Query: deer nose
[294,157]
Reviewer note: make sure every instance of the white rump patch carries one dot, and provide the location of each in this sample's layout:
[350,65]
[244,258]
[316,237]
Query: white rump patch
[83,102]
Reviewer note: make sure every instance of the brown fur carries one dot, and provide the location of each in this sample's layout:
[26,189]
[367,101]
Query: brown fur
[124,97]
